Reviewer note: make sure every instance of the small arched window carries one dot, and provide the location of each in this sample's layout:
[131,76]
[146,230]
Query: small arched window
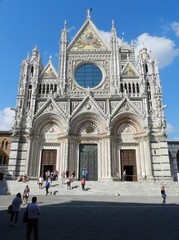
[32,70]
[4,144]
[145,68]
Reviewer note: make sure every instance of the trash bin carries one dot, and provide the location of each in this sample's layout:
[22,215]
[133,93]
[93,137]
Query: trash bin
[1,176]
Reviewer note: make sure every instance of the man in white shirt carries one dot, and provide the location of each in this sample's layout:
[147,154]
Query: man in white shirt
[33,219]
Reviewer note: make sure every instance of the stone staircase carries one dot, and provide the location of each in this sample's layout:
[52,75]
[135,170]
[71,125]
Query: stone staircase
[93,188]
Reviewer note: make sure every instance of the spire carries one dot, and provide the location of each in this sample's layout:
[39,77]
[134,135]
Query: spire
[65,25]
[88,10]
[113,30]
[35,52]
[112,24]
[64,38]
[50,58]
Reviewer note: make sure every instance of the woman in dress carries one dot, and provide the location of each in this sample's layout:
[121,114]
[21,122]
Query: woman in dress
[26,195]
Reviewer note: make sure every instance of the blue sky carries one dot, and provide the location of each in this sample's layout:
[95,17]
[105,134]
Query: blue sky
[26,24]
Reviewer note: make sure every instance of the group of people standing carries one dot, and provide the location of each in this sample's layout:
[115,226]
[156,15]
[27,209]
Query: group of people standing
[16,203]
[70,178]
[33,212]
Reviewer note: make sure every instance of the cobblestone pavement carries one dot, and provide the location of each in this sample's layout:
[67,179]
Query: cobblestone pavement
[98,218]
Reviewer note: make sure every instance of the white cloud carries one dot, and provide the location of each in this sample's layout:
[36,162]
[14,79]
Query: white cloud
[175,27]
[169,128]
[162,48]
[6,119]
[71,29]
[107,37]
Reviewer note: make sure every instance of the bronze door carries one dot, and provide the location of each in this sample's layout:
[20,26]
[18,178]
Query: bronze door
[128,163]
[48,162]
[88,161]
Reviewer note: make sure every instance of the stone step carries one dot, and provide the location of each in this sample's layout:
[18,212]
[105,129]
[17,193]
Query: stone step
[92,188]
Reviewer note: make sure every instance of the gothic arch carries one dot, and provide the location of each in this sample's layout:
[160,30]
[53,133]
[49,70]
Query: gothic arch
[88,123]
[47,119]
[124,120]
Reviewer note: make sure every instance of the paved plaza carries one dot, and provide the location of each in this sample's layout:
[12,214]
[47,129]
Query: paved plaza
[98,218]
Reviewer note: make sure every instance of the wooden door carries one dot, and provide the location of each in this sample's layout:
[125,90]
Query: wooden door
[128,163]
[48,161]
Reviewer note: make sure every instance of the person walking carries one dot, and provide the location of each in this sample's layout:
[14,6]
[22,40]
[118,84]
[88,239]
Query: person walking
[83,182]
[163,194]
[33,211]
[16,203]
[47,185]
[40,182]
[26,195]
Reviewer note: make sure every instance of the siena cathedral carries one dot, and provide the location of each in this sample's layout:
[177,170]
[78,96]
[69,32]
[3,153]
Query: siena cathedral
[102,111]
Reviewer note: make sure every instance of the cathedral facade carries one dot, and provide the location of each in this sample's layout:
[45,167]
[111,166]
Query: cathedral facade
[102,111]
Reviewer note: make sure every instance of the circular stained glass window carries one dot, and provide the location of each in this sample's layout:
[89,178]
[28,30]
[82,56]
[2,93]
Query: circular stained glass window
[88,75]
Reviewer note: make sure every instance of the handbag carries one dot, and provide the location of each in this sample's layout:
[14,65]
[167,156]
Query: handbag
[10,209]
[25,217]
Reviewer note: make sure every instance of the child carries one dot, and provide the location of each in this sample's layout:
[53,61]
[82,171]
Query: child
[83,182]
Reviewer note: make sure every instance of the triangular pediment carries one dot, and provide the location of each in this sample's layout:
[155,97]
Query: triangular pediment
[88,105]
[49,71]
[50,107]
[88,39]
[129,71]
[126,106]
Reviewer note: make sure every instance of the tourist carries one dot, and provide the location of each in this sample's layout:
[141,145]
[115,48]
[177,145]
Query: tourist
[26,194]
[47,185]
[25,178]
[83,183]
[69,183]
[86,173]
[163,194]
[20,178]
[40,182]
[67,173]
[33,219]
[17,201]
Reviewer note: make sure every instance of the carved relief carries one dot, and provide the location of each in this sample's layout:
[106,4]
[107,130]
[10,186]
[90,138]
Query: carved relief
[50,134]
[138,106]
[126,134]
[101,105]
[88,127]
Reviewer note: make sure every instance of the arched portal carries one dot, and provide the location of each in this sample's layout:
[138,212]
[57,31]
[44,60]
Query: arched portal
[131,153]
[45,153]
[86,132]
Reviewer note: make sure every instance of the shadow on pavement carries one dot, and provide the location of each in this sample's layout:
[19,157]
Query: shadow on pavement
[70,218]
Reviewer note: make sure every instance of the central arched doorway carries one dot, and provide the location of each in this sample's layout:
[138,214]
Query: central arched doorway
[88,161]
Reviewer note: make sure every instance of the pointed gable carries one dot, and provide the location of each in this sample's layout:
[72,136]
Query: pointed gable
[88,105]
[88,39]
[129,71]
[49,71]
[126,106]
[50,106]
